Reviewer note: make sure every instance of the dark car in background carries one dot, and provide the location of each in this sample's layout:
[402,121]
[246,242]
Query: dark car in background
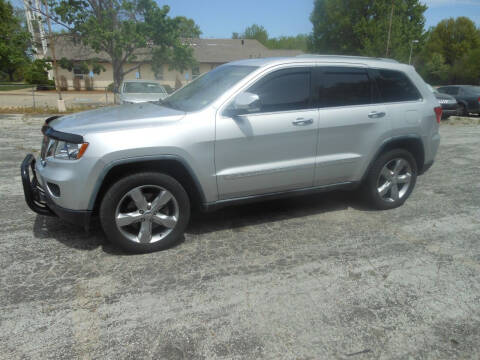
[467,96]
[449,104]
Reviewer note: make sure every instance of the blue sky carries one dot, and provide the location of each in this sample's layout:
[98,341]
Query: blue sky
[219,18]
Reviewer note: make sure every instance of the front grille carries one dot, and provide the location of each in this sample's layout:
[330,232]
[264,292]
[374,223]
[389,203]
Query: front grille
[54,189]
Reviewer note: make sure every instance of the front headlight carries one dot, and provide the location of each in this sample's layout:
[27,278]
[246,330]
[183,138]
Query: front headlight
[69,151]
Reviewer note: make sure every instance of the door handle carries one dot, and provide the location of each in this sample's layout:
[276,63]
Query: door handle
[376,114]
[302,122]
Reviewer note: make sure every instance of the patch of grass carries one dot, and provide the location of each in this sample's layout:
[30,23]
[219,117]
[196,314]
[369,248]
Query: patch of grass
[13,86]
[462,120]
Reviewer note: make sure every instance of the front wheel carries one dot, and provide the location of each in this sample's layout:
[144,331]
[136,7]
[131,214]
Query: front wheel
[391,179]
[145,212]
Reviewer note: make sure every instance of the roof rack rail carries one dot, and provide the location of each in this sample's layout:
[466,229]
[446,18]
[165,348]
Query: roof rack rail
[320,56]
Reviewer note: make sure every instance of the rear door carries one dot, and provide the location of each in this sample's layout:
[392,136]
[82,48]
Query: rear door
[271,148]
[351,123]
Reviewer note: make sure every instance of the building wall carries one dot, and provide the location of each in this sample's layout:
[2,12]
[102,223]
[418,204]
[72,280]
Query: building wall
[105,78]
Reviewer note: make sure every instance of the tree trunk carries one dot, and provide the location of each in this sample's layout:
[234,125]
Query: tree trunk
[10,75]
[117,76]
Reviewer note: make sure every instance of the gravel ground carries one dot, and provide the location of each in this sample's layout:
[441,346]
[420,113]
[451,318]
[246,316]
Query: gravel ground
[304,278]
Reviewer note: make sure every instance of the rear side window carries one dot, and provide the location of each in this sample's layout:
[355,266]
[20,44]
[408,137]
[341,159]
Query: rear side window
[284,90]
[343,86]
[395,86]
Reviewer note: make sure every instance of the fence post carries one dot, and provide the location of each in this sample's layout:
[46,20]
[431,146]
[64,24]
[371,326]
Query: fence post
[33,96]
[106,97]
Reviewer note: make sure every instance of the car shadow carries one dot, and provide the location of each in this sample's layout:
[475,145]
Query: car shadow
[232,217]
[272,211]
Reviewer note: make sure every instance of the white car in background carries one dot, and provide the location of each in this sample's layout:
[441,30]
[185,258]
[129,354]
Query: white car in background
[138,91]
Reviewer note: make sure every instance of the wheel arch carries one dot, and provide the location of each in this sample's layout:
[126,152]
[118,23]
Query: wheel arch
[412,143]
[171,165]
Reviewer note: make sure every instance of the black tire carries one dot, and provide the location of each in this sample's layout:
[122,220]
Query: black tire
[118,192]
[371,184]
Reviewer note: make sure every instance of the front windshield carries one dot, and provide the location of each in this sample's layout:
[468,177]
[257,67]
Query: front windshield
[142,88]
[207,88]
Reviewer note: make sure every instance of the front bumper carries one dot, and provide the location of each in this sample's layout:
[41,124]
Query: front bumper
[40,200]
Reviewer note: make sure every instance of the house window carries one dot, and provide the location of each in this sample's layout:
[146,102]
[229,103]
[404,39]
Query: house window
[78,72]
[195,72]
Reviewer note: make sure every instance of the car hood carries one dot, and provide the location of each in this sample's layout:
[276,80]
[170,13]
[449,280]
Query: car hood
[441,96]
[140,97]
[116,118]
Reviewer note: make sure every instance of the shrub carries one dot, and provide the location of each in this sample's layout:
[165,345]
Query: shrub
[36,72]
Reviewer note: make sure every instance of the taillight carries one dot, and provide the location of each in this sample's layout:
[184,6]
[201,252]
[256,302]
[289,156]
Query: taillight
[479,100]
[438,113]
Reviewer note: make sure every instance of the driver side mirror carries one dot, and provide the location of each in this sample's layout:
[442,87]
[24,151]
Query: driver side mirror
[244,103]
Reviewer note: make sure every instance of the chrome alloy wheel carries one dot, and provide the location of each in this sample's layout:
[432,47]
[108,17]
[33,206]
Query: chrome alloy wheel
[394,180]
[147,214]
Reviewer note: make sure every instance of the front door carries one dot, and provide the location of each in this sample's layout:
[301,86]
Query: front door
[272,147]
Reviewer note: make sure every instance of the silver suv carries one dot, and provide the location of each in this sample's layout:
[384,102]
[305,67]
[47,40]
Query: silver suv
[247,130]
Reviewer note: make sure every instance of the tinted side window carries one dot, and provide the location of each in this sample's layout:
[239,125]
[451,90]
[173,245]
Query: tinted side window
[343,86]
[396,86]
[284,90]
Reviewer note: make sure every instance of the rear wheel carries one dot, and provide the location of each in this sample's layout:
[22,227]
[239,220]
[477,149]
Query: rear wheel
[391,179]
[145,212]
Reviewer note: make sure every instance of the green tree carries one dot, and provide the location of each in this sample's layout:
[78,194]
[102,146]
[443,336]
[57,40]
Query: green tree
[37,72]
[453,38]
[128,29]
[456,41]
[299,42]
[467,69]
[14,42]
[361,27]
[256,32]
[435,71]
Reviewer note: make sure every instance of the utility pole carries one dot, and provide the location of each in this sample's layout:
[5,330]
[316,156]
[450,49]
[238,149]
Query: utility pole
[60,102]
[411,51]
[389,30]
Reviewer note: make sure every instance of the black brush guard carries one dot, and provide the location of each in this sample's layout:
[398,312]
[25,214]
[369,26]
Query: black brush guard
[34,193]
